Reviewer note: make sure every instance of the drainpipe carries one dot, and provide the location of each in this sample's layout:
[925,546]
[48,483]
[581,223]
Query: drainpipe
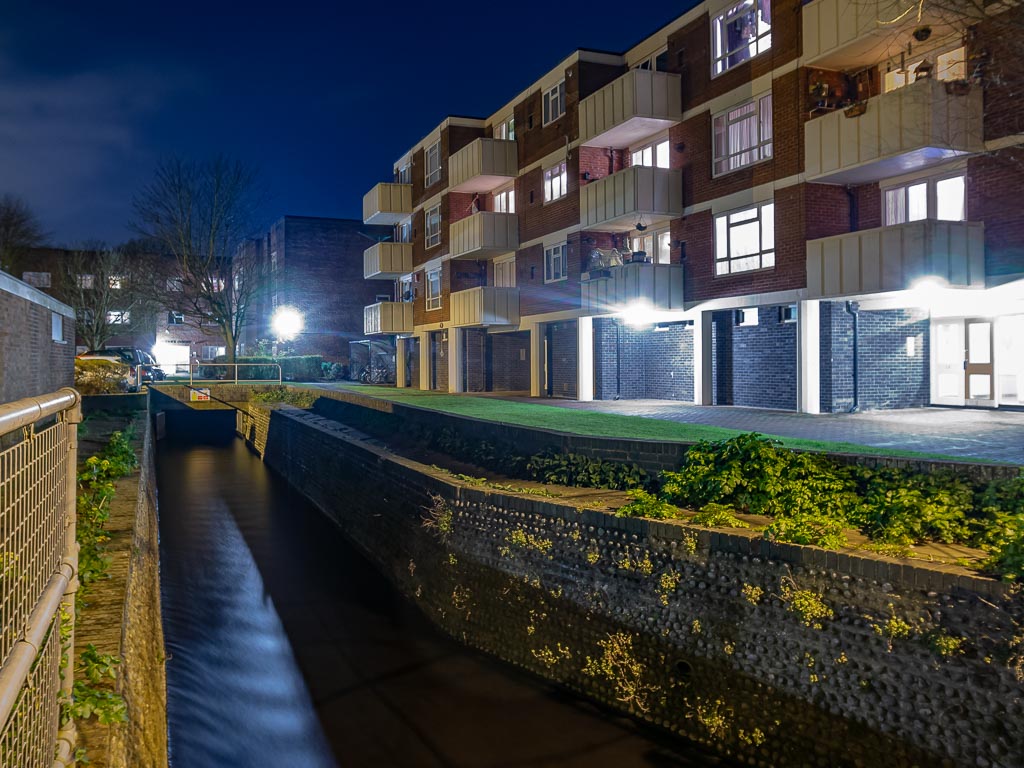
[856,384]
[853,208]
[618,359]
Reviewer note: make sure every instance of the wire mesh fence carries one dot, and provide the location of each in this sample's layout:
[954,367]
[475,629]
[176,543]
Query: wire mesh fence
[37,569]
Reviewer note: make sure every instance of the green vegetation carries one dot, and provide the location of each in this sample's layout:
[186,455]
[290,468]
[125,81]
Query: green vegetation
[575,470]
[293,368]
[718,516]
[646,504]
[807,604]
[300,398]
[100,377]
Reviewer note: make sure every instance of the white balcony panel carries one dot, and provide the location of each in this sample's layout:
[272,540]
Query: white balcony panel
[387,203]
[630,109]
[839,34]
[894,258]
[908,129]
[484,306]
[483,165]
[387,261]
[615,203]
[387,317]
[657,286]
[484,235]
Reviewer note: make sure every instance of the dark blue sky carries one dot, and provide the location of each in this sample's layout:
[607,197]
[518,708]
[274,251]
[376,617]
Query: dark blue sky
[320,97]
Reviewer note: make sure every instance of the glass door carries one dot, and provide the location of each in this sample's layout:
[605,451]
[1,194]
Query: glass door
[948,356]
[978,369]
[1009,352]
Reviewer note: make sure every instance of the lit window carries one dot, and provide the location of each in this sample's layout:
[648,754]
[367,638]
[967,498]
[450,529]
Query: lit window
[941,198]
[506,129]
[56,326]
[212,353]
[655,246]
[554,263]
[555,182]
[433,226]
[403,232]
[950,65]
[554,103]
[739,34]
[745,240]
[85,282]
[404,174]
[116,282]
[217,284]
[505,201]
[175,318]
[743,135]
[653,155]
[36,279]
[117,317]
[433,159]
[434,289]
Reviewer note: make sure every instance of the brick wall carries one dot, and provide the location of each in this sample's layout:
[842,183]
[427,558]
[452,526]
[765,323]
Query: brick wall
[562,359]
[537,218]
[412,362]
[754,366]
[887,376]
[439,361]
[535,140]
[510,361]
[993,195]
[474,359]
[536,297]
[31,362]
[656,364]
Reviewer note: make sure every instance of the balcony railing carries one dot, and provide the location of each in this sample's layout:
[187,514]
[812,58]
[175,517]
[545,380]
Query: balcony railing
[908,129]
[631,108]
[387,203]
[893,258]
[387,261]
[483,165]
[387,317]
[654,286]
[617,202]
[484,235]
[838,34]
[484,306]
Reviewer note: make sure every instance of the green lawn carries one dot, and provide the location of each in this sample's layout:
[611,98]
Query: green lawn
[581,422]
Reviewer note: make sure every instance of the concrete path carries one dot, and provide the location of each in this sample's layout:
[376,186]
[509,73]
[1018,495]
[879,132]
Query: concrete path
[991,435]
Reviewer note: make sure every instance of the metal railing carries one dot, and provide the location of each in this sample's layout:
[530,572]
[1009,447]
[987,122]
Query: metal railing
[38,577]
[212,372]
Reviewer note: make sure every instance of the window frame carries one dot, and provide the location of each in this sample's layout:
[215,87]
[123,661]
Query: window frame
[427,234]
[654,146]
[563,176]
[720,59]
[57,328]
[761,254]
[763,150]
[37,279]
[433,302]
[931,197]
[504,200]
[403,174]
[119,317]
[434,148]
[505,130]
[549,262]
[555,94]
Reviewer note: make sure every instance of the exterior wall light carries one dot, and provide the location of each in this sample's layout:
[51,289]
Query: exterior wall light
[287,323]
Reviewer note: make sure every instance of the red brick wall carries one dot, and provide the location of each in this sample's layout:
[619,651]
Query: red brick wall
[600,162]
[595,76]
[536,140]
[537,218]
[31,363]
[536,297]
[994,196]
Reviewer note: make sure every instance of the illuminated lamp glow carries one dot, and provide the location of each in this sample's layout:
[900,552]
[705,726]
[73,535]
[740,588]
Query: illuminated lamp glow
[287,323]
[639,314]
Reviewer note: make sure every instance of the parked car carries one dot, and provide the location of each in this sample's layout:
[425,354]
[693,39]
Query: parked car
[138,357]
[130,382]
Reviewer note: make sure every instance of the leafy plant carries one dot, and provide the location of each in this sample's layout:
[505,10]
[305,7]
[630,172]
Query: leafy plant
[816,528]
[646,504]
[807,604]
[300,398]
[718,516]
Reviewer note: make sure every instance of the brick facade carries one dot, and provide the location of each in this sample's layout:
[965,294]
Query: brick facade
[642,363]
[754,366]
[562,359]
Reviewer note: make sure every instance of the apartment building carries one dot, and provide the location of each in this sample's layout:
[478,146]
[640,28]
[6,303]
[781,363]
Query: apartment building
[769,204]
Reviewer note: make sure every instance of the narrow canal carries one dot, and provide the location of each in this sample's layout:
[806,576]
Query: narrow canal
[286,648]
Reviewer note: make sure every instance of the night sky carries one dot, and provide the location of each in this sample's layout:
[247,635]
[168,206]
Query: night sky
[320,97]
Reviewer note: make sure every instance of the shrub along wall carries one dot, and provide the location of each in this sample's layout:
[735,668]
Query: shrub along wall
[778,654]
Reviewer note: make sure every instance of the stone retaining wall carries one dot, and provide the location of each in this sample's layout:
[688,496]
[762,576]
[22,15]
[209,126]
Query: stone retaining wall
[776,655]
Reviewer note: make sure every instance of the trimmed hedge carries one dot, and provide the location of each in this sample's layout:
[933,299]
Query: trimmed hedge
[297,368]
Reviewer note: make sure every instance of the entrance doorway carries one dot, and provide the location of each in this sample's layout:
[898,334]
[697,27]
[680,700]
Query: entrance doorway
[963,362]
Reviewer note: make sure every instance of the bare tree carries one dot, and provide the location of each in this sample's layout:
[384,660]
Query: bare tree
[199,214]
[107,287]
[19,230]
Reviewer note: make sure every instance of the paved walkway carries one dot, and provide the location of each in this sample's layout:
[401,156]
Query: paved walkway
[992,435]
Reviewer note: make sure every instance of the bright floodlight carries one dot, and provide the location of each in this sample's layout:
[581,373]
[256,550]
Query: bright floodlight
[638,314]
[287,323]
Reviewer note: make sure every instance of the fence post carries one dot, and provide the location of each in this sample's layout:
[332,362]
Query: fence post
[236,373]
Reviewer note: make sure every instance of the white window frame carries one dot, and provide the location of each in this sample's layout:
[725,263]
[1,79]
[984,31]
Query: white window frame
[931,198]
[116,282]
[661,245]
[506,129]
[432,234]
[652,62]
[505,272]
[405,289]
[85,281]
[556,179]
[57,327]
[505,200]
[433,297]
[556,263]
[754,46]
[552,100]
[119,317]
[652,154]
[432,175]
[954,68]
[36,279]
[403,174]
[727,223]
[403,231]
[742,157]
[175,318]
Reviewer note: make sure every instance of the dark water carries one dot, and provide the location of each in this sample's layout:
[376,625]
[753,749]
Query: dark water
[288,649]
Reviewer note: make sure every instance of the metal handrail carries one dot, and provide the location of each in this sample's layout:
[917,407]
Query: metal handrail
[29,410]
[195,367]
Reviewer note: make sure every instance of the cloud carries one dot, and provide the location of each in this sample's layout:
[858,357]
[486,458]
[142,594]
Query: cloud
[70,145]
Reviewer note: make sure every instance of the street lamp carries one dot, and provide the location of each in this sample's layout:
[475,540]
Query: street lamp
[287,323]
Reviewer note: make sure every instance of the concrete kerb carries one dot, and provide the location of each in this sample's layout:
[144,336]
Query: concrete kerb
[741,542]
